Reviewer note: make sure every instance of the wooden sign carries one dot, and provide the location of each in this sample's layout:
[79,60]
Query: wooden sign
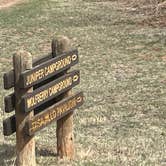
[9,103]
[10,99]
[42,94]
[49,91]
[54,112]
[48,69]
[8,78]
[9,125]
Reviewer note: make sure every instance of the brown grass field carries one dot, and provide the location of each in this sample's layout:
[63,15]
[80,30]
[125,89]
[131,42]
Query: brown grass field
[122,49]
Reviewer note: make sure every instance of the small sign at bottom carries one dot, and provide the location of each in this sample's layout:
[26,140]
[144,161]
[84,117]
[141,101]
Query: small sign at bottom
[54,112]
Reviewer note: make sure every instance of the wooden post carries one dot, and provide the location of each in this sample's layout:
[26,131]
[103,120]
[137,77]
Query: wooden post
[25,145]
[64,131]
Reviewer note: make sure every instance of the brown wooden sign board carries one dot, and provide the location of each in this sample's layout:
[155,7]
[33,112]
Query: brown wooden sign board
[9,81]
[10,99]
[8,78]
[9,103]
[48,69]
[49,91]
[54,112]
[9,125]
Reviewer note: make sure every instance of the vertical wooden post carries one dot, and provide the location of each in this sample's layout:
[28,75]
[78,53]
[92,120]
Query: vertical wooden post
[64,131]
[25,145]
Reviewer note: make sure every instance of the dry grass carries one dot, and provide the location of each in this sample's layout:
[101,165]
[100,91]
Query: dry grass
[8,3]
[154,11]
[148,7]
[122,63]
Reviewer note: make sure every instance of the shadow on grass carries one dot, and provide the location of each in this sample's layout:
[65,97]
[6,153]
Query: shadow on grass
[45,151]
[7,152]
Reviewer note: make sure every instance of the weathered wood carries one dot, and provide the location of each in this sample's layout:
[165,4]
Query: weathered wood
[54,48]
[9,103]
[9,77]
[64,131]
[54,112]
[49,91]
[9,100]
[48,69]
[9,125]
[25,146]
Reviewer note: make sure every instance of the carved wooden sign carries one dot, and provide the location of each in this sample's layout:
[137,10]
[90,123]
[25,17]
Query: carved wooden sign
[49,82]
[54,112]
[42,94]
[48,69]
[49,91]
[8,77]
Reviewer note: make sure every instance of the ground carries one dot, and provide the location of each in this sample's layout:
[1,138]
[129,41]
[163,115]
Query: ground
[122,64]
[8,3]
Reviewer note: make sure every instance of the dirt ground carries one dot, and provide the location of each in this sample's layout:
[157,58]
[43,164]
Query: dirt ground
[7,3]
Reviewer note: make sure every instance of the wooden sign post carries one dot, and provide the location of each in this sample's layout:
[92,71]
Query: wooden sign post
[65,137]
[49,91]
[53,113]
[42,94]
[25,145]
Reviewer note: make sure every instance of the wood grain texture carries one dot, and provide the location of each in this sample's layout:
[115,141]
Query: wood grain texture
[64,131]
[9,78]
[55,112]
[9,102]
[9,125]
[49,91]
[39,64]
[25,145]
